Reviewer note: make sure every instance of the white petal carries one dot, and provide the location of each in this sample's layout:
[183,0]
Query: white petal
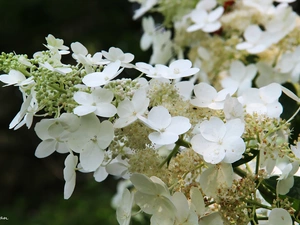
[215,14]
[78,48]
[69,188]
[204,95]
[143,183]
[41,128]
[179,125]
[84,110]
[100,174]
[159,118]
[163,138]
[197,200]
[252,33]
[237,70]
[270,93]
[92,157]
[279,216]
[213,129]
[45,148]
[94,79]
[234,147]
[234,127]
[105,110]
[105,134]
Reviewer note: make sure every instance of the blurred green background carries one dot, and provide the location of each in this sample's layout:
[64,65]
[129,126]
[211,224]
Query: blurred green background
[31,189]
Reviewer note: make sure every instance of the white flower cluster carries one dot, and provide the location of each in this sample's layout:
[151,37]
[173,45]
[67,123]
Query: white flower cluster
[201,140]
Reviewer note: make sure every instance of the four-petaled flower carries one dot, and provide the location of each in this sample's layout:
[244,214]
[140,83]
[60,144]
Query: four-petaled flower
[167,128]
[218,141]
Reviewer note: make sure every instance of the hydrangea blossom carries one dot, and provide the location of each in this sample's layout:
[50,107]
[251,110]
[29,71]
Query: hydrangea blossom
[162,48]
[204,20]
[129,111]
[268,75]
[70,175]
[207,96]
[218,141]
[149,32]
[56,44]
[115,54]
[146,5]
[16,78]
[263,100]
[167,128]
[124,209]
[97,79]
[290,63]
[98,102]
[241,76]
[154,198]
[256,40]
[90,141]
[279,216]
[28,109]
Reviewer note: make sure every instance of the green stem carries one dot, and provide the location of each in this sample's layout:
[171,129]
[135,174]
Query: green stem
[57,88]
[179,142]
[167,160]
[257,204]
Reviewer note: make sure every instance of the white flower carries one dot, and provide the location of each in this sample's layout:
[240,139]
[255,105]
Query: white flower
[124,209]
[268,75]
[180,68]
[26,113]
[290,63]
[16,78]
[98,102]
[70,175]
[283,21]
[296,149]
[98,79]
[56,44]
[285,170]
[256,40]
[154,198]
[207,96]
[117,198]
[204,20]
[80,54]
[162,48]
[146,5]
[158,71]
[263,100]
[185,212]
[241,76]
[263,6]
[118,167]
[54,134]
[91,140]
[216,177]
[279,216]
[167,128]
[61,70]
[129,111]
[185,89]
[233,109]
[149,32]
[218,142]
[115,54]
